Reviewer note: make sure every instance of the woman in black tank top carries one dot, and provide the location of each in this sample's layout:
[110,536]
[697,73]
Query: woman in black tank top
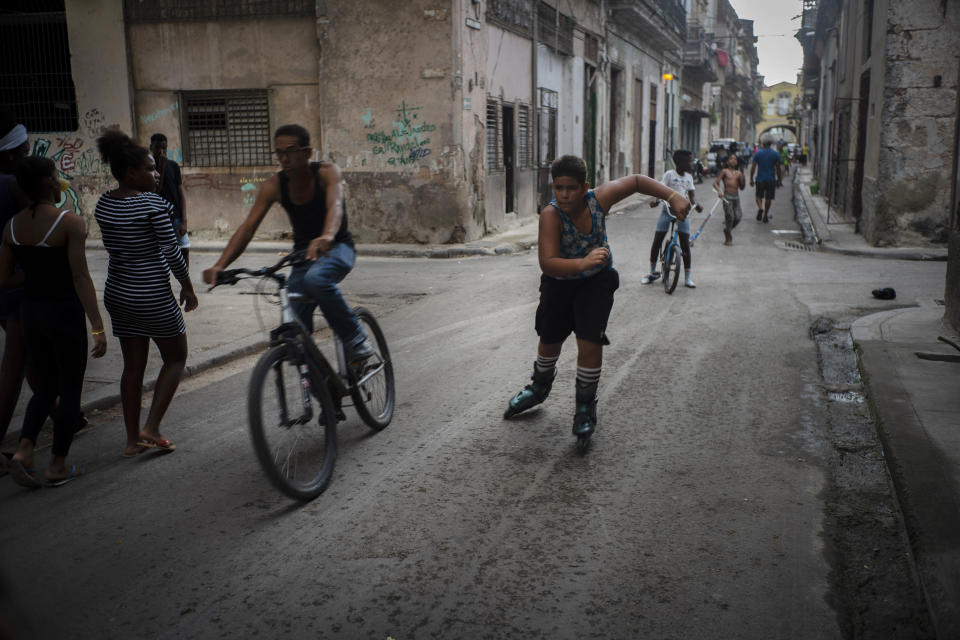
[58,292]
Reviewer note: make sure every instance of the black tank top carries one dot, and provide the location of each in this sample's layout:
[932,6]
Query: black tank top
[308,219]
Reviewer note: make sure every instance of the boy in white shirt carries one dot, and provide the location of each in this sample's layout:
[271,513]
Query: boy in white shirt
[681,181]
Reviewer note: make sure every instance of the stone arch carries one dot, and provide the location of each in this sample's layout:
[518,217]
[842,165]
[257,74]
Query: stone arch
[778,130]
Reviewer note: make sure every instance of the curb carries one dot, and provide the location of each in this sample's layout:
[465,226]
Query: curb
[815,232]
[209,359]
[376,250]
[802,215]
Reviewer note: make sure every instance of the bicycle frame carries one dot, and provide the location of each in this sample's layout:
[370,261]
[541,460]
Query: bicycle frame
[674,234]
[293,333]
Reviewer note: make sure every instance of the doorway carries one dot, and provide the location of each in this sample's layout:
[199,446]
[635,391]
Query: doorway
[637,125]
[508,162]
[652,147]
[861,144]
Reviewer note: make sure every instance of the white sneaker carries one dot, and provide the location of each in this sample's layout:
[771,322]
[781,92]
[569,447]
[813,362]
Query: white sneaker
[689,283]
[650,277]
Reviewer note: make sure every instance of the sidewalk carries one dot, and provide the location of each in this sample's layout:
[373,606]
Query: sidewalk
[913,384]
[223,328]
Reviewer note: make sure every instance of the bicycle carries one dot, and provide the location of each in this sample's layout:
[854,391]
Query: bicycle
[293,375]
[670,255]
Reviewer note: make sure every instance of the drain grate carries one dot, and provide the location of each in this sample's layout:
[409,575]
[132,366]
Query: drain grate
[790,245]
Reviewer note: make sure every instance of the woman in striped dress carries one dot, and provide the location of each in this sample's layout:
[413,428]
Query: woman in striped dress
[142,246]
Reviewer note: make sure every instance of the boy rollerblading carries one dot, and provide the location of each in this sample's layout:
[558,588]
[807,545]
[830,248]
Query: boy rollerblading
[578,282]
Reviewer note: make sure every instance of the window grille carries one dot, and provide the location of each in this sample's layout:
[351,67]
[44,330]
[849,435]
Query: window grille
[547,151]
[494,135]
[198,10]
[226,128]
[35,78]
[516,15]
[524,146]
[554,29]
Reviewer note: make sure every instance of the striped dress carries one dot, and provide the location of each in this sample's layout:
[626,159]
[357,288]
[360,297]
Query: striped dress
[143,250]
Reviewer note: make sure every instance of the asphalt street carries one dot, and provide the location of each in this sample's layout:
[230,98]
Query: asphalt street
[698,512]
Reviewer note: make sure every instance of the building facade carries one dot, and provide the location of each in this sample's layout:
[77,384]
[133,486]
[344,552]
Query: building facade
[443,116]
[880,92]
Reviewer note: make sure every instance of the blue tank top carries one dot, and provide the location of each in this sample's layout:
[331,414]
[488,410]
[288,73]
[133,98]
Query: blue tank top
[574,244]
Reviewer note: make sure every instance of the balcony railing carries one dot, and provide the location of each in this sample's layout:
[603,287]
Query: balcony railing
[698,59]
[660,23]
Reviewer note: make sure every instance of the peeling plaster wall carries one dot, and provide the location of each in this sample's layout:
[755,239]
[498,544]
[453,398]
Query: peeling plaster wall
[98,59]
[919,120]
[391,84]
[637,65]
[167,58]
[508,73]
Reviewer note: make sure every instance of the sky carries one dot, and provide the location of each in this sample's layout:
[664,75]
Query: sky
[779,51]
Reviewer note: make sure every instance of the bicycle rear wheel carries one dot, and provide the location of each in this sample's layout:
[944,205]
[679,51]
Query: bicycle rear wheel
[292,425]
[671,267]
[372,385]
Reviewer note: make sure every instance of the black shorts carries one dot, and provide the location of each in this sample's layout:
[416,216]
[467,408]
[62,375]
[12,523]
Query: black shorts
[581,306]
[766,190]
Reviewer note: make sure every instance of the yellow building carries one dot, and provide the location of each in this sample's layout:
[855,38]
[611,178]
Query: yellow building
[777,103]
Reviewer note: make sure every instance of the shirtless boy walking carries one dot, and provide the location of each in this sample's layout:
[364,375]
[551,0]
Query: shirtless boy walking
[733,182]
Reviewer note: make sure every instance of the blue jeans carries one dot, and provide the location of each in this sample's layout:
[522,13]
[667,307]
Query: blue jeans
[318,280]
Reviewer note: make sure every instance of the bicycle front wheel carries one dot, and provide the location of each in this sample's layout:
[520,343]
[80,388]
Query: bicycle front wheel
[293,425]
[671,267]
[372,384]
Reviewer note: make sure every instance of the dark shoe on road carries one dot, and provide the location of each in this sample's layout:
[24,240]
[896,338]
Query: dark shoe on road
[884,294]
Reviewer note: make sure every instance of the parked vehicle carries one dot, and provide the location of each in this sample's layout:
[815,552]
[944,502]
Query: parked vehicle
[698,171]
[718,152]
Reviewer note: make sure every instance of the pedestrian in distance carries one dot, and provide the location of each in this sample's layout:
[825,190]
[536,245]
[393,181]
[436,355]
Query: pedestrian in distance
[677,181]
[768,173]
[312,195]
[142,247]
[578,281]
[170,188]
[48,244]
[733,183]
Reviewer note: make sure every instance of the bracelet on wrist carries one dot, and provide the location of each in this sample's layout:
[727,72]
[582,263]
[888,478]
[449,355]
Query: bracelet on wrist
[97,333]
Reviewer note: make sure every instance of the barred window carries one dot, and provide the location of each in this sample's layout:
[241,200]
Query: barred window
[524,146]
[548,126]
[516,15]
[35,77]
[554,29]
[199,10]
[226,128]
[494,135]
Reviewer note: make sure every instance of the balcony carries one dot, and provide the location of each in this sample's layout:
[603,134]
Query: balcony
[659,24]
[699,61]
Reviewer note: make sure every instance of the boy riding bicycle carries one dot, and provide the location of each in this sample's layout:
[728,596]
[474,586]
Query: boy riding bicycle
[578,281]
[679,181]
[312,196]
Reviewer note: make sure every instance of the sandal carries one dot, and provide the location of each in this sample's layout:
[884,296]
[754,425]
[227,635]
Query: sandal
[164,444]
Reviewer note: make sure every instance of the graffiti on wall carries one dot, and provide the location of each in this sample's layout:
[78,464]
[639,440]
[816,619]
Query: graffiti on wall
[248,187]
[147,118]
[41,147]
[405,143]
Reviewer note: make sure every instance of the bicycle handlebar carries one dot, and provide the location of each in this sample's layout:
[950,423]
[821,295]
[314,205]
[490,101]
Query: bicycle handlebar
[233,276]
